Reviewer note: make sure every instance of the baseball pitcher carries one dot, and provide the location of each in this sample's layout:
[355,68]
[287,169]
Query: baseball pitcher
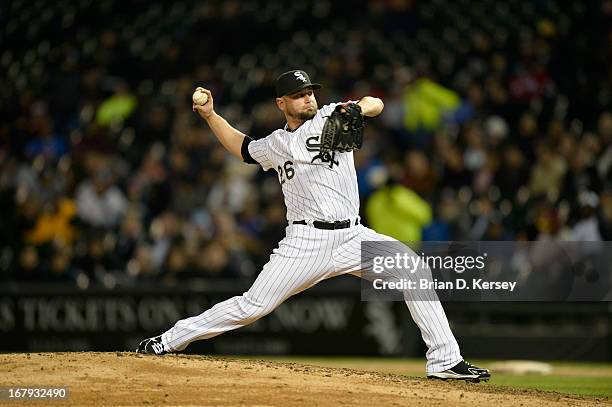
[313,156]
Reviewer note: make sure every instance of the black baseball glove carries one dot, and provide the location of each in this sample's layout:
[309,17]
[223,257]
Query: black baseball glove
[343,130]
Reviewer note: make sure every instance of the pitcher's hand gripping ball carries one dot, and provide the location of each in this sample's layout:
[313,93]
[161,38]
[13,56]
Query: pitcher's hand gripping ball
[343,130]
[199,97]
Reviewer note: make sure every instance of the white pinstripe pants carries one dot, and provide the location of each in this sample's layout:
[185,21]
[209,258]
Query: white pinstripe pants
[304,257]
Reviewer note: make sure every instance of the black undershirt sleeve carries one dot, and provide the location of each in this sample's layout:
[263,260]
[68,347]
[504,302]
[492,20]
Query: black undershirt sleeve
[244,150]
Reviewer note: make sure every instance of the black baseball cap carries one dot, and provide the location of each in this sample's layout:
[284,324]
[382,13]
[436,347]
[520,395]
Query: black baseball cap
[293,81]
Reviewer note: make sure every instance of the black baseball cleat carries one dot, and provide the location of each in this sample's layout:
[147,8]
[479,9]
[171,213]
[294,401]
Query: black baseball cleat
[152,346]
[463,371]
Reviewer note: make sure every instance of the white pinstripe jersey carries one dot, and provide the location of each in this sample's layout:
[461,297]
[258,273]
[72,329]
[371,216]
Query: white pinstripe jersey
[315,186]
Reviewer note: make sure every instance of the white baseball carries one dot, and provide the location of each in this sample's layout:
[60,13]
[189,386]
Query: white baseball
[199,97]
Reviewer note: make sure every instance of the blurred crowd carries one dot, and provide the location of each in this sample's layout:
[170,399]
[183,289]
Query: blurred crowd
[497,126]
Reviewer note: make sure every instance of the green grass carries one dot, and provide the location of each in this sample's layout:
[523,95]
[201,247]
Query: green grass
[580,378]
[584,386]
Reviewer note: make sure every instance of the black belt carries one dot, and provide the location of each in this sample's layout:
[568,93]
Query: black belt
[339,224]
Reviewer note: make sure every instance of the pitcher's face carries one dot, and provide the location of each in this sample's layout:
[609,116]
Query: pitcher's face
[300,105]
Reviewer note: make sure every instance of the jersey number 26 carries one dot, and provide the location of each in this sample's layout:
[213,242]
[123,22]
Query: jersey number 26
[288,172]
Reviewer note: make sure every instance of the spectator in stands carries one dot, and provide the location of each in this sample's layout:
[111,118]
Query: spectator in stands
[398,211]
[100,203]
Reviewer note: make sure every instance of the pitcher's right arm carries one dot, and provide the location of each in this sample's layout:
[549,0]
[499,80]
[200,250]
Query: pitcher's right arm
[230,137]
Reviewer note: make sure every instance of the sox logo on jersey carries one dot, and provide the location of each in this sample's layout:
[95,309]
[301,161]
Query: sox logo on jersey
[319,188]
[312,144]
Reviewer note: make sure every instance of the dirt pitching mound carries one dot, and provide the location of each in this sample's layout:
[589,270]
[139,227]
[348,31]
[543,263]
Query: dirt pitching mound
[131,379]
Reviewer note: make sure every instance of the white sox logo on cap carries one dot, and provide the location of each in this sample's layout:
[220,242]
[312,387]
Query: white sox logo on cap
[293,81]
[300,76]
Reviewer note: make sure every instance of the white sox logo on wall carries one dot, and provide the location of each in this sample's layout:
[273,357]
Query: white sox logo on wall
[312,144]
[300,76]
